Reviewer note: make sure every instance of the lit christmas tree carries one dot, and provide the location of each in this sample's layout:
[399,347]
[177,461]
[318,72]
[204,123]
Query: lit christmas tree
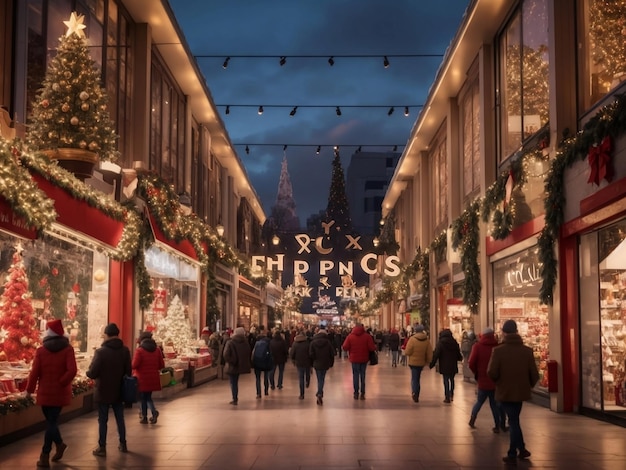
[338,208]
[174,329]
[607,34]
[70,110]
[19,331]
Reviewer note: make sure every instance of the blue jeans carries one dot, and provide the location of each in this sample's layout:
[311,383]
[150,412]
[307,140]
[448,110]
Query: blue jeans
[281,373]
[321,376]
[266,381]
[516,438]
[394,358]
[234,385]
[448,386]
[416,373]
[103,418]
[358,376]
[480,399]
[51,413]
[303,373]
[146,401]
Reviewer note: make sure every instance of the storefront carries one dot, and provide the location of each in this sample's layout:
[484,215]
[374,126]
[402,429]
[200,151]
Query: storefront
[249,305]
[516,283]
[602,273]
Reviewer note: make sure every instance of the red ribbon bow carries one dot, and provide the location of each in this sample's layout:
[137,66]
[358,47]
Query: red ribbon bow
[600,162]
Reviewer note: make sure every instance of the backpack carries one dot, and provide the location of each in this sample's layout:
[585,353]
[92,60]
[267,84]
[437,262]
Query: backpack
[262,358]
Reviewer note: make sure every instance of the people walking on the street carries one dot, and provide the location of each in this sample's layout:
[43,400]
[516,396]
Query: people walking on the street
[280,353]
[147,364]
[237,360]
[262,362]
[478,362]
[513,369]
[299,353]
[110,363]
[51,375]
[358,344]
[322,353]
[418,352]
[448,354]
[394,347]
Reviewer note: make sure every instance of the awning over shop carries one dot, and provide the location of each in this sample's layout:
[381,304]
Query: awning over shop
[12,223]
[80,216]
[184,246]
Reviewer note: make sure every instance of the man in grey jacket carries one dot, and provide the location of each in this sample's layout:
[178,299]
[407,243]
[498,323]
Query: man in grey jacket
[513,369]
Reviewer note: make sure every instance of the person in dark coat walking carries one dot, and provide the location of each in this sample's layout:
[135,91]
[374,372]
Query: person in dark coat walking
[358,344]
[110,363]
[52,372]
[147,365]
[478,361]
[448,353]
[279,350]
[237,358]
[394,346]
[262,366]
[300,355]
[322,353]
[514,370]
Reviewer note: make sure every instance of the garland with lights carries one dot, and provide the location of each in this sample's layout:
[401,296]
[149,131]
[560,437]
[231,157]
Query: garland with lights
[387,241]
[439,247]
[609,121]
[465,237]
[21,192]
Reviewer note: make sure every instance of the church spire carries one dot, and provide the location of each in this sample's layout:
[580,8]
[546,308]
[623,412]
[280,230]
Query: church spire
[284,211]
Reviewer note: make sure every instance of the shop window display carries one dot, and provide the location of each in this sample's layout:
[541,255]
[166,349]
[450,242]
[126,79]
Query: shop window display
[603,318]
[516,290]
[44,279]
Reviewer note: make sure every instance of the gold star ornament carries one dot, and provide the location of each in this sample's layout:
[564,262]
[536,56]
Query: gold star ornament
[75,25]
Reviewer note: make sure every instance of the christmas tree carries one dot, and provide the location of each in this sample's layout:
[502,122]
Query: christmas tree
[337,209]
[174,329]
[71,108]
[607,32]
[19,332]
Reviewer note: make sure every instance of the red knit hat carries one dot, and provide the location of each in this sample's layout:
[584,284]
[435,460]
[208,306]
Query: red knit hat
[55,328]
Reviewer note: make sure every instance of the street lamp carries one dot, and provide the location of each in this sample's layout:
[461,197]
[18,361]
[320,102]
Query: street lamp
[220,229]
[275,240]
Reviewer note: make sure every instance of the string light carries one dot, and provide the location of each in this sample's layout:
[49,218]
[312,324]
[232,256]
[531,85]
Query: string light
[331,61]
[260,110]
[227,110]
[319,148]
[225,64]
[386,62]
[390,112]
[247,150]
[283,60]
[294,108]
[338,111]
[406,110]
[293,111]
[331,58]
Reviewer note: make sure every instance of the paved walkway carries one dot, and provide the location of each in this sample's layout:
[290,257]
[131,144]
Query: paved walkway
[199,430]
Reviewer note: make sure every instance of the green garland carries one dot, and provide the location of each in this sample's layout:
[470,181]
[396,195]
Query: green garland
[465,237]
[387,242]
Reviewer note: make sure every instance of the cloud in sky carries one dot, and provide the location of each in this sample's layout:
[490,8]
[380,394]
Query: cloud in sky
[326,28]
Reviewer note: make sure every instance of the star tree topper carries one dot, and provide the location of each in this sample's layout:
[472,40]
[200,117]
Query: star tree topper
[75,25]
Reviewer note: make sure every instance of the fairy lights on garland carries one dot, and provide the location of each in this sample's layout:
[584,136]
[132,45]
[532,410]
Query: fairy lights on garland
[465,238]
[21,192]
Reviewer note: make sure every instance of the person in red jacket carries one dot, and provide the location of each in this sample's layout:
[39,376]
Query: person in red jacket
[51,374]
[147,365]
[358,344]
[478,362]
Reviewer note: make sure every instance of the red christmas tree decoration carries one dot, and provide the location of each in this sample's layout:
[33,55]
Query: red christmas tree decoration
[19,332]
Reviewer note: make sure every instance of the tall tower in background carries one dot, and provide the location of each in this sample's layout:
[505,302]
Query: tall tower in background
[283,216]
[367,178]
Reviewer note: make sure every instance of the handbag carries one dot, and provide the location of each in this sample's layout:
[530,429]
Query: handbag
[373,358]
[130,389]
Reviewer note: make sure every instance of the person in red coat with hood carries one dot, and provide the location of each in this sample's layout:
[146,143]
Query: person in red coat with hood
[51,374]
[478,362]
[147,365]
[358,344]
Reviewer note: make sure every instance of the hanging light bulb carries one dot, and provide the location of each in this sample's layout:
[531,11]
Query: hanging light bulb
[283,60]
[395,148]
[293,111]
[260,110]
[284,148]
[319,148]
[390,112]
[247,150]
[385,62]
[225,64]
[358,150]
[275,240]
[219,228]
[331,61]
[227,109]
[338,111]
[406,110]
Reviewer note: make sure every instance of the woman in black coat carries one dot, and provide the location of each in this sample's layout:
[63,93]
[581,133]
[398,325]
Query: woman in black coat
[322,354]
[279,350]
[299,353]
[448,353]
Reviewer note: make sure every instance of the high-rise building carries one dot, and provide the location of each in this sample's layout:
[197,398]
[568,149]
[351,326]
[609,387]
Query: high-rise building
[367,178]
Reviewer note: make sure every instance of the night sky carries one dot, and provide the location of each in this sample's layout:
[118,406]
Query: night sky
[316,28]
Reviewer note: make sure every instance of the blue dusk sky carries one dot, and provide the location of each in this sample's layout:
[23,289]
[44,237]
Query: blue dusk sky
[322,28]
